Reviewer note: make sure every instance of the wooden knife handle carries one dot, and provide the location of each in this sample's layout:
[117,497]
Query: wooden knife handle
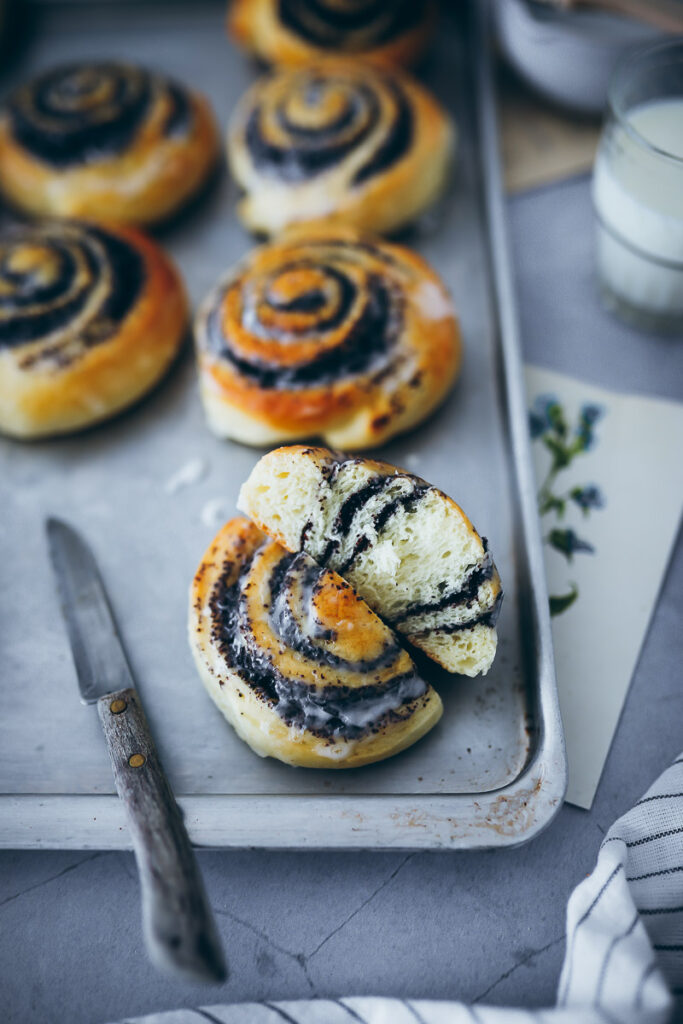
[178,924]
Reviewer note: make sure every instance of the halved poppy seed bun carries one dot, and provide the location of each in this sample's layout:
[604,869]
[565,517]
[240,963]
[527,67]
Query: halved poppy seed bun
[299,665]
[403,545]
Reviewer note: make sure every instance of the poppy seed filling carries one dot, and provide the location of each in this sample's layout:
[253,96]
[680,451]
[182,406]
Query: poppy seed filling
[331,712]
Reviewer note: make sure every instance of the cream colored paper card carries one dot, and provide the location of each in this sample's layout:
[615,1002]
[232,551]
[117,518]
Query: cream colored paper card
[610,479]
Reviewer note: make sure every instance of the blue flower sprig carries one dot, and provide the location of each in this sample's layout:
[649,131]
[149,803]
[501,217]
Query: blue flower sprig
[548,424]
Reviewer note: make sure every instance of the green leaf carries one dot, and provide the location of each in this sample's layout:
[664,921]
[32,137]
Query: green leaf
[567,542]
[557,419]
[560,602]
[551,503]
[561,455]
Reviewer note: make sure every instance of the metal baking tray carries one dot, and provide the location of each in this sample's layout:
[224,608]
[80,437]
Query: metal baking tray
[493,772]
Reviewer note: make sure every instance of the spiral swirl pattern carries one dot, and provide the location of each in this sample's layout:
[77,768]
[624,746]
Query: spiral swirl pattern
[305,645]
[65,288]
[406,547]
[350,26]
[86,113]
[304,123]
[323,331]
[327,311]
[295,32]
[338,140]
[360,515]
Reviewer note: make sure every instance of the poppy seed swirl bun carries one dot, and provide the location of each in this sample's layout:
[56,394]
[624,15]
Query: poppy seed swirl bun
[91,316]
[105,140]
[338,141]
[406,547]
[296,661]
[299,31]
[327,334]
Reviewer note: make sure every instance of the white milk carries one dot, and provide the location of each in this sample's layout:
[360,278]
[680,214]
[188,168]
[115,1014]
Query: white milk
[638,196]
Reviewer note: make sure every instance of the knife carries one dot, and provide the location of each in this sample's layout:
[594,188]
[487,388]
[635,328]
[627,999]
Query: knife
[178,925]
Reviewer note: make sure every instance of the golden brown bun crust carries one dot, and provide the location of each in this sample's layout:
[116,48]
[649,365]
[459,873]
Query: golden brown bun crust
[108,316]
[354,340]
[140,176]
[399,34]
[297,663]
[378,148]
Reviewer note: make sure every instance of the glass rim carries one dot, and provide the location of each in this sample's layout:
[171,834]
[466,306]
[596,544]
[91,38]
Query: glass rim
[623,67]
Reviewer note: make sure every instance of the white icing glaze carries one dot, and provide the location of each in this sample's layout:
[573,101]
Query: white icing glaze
[432,301]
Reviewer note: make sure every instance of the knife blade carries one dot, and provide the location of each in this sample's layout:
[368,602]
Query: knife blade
[178,925]
[99,659]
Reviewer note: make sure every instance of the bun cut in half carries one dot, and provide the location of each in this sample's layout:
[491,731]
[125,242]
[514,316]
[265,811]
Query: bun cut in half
[404,546]
[297,662]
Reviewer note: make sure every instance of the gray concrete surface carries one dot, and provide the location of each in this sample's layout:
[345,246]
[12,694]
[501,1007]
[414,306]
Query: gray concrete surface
[480,926]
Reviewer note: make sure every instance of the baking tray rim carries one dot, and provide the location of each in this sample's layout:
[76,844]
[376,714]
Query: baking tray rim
[508,816]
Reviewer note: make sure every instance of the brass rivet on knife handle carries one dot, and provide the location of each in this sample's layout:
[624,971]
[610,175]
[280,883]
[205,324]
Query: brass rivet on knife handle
[179,928]
[178,924]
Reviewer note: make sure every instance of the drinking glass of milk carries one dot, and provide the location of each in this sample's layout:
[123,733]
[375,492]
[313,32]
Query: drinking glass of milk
[638,190]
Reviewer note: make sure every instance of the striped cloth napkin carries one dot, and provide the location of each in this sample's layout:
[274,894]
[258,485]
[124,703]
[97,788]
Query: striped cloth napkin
[624,955]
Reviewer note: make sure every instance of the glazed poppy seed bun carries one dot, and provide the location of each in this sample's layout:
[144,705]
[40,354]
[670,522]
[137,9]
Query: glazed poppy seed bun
[403,545]
[339,141]
[91,317]
[325,333]
[299,31]
[299,665]
[105,140]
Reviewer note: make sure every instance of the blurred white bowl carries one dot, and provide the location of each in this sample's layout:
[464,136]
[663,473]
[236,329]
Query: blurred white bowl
[568,56]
